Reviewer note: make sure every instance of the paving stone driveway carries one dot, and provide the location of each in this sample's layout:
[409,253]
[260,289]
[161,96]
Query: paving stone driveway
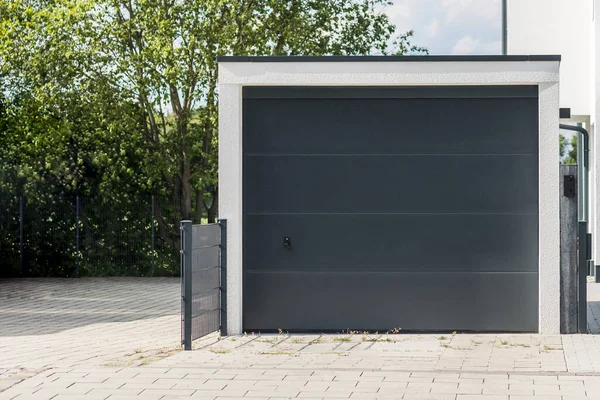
[48,323]
[117,339]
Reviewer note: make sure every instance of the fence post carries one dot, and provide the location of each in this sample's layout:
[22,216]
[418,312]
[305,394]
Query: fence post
[569,272]
[21,235]
[152,271]
[77,256]
[583,271]
[223,223]
[186,276]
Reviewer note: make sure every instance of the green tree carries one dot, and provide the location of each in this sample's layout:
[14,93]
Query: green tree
[166,53]
[572,155]
[66,130]
[563,143]
[120,96]
[568,149]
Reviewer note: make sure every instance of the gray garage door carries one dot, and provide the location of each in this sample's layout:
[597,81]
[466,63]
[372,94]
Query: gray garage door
[414,208]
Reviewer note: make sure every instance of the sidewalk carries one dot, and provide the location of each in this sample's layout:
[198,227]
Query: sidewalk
[97,358]
[336,366]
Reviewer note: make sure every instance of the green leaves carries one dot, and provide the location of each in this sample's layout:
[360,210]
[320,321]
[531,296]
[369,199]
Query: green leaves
[120,96]
[568,149]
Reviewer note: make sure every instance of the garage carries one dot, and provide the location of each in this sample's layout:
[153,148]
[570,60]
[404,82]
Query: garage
[401,206]
[373,205]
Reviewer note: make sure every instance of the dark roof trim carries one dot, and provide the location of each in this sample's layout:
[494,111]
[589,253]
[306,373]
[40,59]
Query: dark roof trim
[239,59]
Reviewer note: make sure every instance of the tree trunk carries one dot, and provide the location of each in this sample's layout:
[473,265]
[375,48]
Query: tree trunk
[168,234]
[214,207]
[199,203]
[176,200]
[186,195]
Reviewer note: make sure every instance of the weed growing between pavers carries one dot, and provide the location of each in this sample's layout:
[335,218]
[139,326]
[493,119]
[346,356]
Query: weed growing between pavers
[549,348]
[338,353]
[387,339]
[271,341]
[219,351]
[278,353]
[140,357]
[342,339]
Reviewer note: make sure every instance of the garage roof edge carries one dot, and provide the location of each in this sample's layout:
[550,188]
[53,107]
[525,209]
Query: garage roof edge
[437,58]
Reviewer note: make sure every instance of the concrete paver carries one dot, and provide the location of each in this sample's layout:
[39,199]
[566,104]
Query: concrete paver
[48,323]
[118,339]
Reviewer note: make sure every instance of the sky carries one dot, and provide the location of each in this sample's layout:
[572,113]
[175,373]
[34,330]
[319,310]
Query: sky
[451,26]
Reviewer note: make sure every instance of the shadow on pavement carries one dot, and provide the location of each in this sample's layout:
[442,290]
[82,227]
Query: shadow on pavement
[41,306]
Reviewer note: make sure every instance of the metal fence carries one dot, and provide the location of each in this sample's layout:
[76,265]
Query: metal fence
[203,283]
[79,236]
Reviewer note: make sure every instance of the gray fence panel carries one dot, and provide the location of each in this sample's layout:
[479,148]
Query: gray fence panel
[66,236]
[205,258]
[206,235]
[201,282]
[223,223]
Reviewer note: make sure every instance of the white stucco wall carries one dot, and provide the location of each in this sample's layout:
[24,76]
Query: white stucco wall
[557,27]
[234,75]
[594,130]
[570,28]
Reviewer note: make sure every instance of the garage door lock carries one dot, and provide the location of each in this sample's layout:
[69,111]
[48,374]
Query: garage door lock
[287,243]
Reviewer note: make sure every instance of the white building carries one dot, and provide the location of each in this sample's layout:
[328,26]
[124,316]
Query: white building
[463,226]
[570,28]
